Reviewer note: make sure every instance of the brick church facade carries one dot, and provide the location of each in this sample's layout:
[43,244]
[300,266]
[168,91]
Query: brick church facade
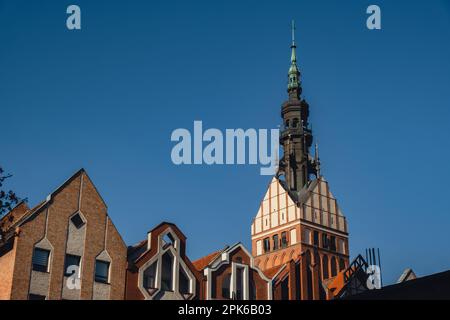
[299,240]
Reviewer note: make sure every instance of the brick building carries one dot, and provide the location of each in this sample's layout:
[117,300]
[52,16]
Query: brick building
[231,274]
[158,268]
[66,247]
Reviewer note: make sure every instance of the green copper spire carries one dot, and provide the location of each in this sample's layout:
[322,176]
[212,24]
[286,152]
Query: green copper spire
[294,73]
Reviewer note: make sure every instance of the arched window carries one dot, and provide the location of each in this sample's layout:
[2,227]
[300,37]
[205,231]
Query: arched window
[286,124]
[167,272]
[226,286]
[333,267]
[341,264]
[325,267]
[295,123]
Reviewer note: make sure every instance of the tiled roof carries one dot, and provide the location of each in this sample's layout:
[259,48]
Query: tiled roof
[271,272]
[203,262]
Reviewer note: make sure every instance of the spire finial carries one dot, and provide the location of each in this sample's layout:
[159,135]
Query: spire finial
[293,74]
[293,31]
[317,160]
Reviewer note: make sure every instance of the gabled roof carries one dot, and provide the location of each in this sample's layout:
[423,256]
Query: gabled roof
[272,272]
[35,210]
[203,262]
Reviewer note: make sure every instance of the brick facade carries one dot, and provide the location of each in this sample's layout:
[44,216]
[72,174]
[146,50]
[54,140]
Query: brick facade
[47,226]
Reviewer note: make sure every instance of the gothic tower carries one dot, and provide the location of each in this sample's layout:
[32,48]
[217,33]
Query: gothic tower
[296,137]
[299,220]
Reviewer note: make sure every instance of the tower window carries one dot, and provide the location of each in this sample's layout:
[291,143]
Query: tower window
[40,260]
[276,243]
[284,240]
[324,241]
[325,267]
[333,267]
[341,264]
[307,236]
[295,123]
[333,243]
[316,238]
[266,245]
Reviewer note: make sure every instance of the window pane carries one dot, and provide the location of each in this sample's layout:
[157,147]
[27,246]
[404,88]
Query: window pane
[239,284]
[226,286]
[316,238]
[167,272]
[284,240]
[40,260]
[275,242]
[184,282]
[266,245]
[150,277]
[101,271]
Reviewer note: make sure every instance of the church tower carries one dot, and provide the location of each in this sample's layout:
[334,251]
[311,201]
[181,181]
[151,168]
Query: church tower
[299,219]
[296,138]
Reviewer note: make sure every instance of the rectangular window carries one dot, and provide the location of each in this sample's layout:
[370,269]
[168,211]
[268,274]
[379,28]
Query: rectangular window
[239,284]
[284,240]
[101,271]
[276,242]
[293,236]
[40,260]
[71,264]
[258,247]
[324,241]
[316,238]
[341,246]
[307,236]
[266,245]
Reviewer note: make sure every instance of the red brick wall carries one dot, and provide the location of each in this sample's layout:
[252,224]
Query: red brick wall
[65,202]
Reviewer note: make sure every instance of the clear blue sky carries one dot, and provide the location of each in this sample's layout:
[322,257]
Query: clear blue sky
[107,98]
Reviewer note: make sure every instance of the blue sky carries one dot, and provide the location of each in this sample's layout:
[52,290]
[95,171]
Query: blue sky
[107,98]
